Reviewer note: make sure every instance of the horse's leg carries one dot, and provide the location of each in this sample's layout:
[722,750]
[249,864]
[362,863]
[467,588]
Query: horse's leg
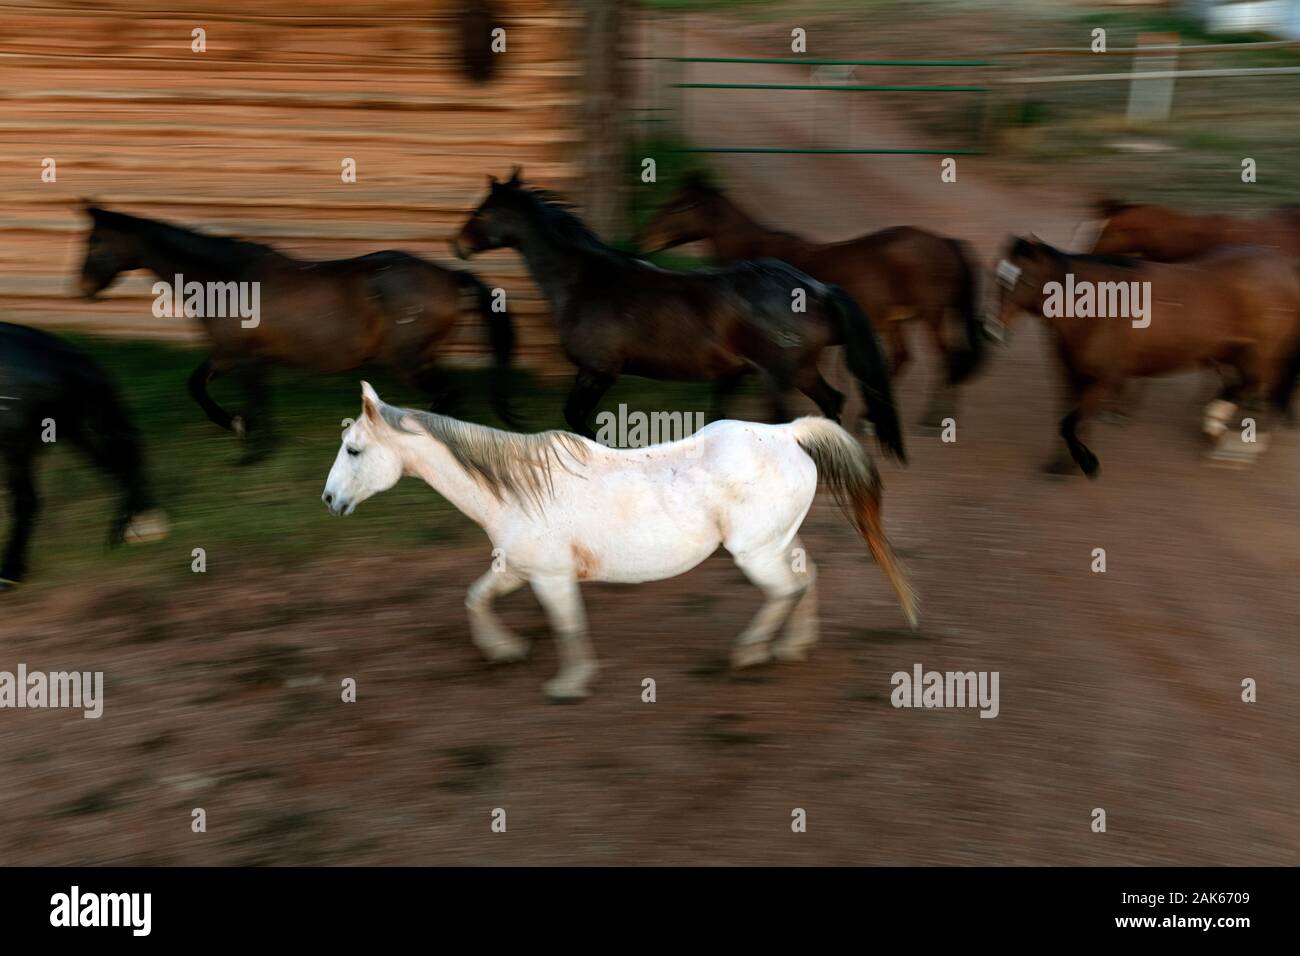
[773,573]
[18,472]
[1089,396]
[434,383]
[828,399]
[489,635]
[943,395]
[898,354]
[1239,444]
[1218,413]
[563,604]
[257,423]
[723,389]
[198,386]
[1118,405]
[801,629]
[588,388]
[777,384]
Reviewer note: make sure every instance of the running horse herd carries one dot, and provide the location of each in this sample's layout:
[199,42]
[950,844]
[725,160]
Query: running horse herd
[561,508]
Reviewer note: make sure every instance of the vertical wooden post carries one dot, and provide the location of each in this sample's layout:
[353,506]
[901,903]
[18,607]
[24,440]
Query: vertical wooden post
[604,147]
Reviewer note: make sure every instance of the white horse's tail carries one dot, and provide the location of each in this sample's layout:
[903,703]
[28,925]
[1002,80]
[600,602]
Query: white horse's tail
[847,468]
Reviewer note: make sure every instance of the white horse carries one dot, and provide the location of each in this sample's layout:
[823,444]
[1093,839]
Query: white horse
[560,509]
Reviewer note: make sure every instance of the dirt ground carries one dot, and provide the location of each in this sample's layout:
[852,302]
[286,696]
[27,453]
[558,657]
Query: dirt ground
[1119,691]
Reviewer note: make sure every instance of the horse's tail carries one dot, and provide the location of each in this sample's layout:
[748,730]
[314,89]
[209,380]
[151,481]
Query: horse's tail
[501,337]
[846,468]
[962,363]
[867,362]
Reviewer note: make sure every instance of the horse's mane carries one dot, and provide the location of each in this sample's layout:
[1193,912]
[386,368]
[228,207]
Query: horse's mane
[553,213]
[701,182]
[505,462]
[186,241]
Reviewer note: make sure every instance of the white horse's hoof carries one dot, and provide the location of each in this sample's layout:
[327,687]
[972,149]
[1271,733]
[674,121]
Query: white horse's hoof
[505,652]
[1217,415]
[750,655]
[237,426]
[564,690]
[147,526]
[791,651]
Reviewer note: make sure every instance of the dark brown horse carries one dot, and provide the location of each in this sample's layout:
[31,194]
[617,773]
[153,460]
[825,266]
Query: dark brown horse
[331,316]
[618,315]
[1166,235]
[896,275]
[1116,317]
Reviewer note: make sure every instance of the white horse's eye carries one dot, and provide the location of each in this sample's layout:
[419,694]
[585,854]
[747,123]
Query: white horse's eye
[1008,274]
[354,451]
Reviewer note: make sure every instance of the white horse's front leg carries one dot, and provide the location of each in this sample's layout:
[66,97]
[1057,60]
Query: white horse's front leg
[489,636]
[782,586]
[563,604]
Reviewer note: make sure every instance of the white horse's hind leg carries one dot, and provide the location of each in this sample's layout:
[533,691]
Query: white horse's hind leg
[563,604]
[489,636]
[801,629]
[774,573]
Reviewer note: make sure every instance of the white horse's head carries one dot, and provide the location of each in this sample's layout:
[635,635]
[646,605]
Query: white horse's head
[368,461]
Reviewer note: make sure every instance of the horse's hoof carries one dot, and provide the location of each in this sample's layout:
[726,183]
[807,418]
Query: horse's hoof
[238,426]
[506,652]
[750,655]
[564,692]
[782,651]
[146,527]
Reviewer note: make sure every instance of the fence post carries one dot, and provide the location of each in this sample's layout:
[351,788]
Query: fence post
[1150,100]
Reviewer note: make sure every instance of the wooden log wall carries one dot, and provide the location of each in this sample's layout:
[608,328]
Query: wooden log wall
[248,138]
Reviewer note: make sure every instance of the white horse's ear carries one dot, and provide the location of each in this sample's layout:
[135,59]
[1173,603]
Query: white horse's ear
[370,402]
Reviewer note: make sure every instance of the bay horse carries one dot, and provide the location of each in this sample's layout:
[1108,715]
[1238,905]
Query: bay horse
[323,316]
[1167,235]
[52,392]
[1237,307]
[617,314]
[897,275]
[562,509]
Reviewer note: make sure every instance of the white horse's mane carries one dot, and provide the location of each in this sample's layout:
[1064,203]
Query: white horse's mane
[506,463]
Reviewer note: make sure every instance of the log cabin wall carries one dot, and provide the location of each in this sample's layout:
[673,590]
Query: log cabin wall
[248,138]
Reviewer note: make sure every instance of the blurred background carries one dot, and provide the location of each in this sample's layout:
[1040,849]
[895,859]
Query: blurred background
[1120,690]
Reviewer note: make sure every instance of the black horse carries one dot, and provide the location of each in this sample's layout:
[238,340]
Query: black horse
[51,391]
[617,314]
